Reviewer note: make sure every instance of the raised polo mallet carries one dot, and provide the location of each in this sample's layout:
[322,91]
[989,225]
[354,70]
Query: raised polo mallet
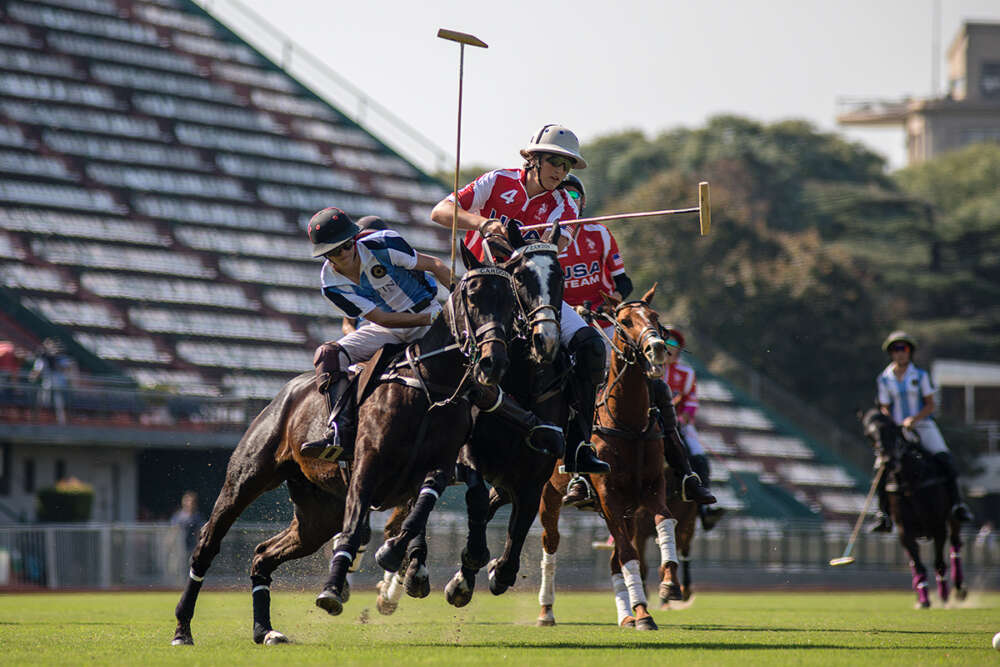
[703,209]
[847,558]
[462,38]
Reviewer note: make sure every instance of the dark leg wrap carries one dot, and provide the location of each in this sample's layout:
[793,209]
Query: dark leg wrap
[261,594]
[540,436]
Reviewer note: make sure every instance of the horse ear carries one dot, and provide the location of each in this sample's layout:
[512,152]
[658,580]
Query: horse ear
[514,234]
[553,233]
[469,259]
[610,301]
[648,296]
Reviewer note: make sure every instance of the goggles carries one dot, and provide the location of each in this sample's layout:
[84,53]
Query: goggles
[560,162]
[898,347]
[339,250]
[573,194]
[672,342]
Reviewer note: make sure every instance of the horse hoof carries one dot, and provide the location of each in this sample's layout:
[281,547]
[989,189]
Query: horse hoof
[182,640]
[646,623]
[961,592]
[670,591]
[274,637]
[628,622]
[459,590]
[498,586]
[417,582]
[388,558]
[546,619]
[330,602]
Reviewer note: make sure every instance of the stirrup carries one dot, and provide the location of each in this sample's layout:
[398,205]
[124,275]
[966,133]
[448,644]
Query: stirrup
[326,448]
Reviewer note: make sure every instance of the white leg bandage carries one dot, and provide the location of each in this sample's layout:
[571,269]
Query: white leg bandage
[621,597]
[667,540]
[633,582]
[393,591]
[547,589]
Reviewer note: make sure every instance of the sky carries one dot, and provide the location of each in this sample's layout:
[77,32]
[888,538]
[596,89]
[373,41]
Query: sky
[600,67]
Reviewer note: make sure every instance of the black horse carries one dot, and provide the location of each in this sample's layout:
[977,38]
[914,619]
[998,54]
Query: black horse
[919,503]
[412,426]
[498,451]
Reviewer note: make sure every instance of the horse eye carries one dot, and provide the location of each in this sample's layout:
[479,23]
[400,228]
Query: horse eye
[627,322]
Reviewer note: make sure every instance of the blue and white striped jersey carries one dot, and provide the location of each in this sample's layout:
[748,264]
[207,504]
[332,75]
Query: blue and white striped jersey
[904,396]
[388,280]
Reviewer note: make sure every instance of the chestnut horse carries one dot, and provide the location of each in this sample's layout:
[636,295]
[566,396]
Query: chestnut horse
[919,504]
[628,438]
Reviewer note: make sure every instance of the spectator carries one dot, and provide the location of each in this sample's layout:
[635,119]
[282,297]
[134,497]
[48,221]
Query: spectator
[188,519]
[52,366]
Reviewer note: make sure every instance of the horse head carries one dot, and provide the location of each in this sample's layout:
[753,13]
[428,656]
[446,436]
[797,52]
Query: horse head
[481,314]
[637,332]
[882,431]
[538,285]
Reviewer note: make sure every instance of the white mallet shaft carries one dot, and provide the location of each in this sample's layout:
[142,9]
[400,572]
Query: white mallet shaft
[703,209]
[844,559]
[462,38]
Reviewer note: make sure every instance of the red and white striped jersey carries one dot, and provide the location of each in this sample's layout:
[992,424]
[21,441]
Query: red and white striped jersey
[502,194]
[680,377]
[589,264]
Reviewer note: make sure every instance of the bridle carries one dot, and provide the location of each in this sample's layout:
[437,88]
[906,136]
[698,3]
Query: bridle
[632,352]
[469,339]
[545,312]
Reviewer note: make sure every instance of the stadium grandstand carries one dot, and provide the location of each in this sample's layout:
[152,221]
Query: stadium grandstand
[156,174]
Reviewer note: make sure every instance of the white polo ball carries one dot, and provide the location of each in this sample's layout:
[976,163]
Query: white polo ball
[996,641]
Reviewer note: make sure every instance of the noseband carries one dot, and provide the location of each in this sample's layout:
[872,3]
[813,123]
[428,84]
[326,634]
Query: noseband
[648,335]
[472,341]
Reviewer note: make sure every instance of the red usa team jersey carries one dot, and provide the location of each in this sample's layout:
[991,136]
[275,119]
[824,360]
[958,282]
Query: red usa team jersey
[501,194]
[589,264]
[680,377]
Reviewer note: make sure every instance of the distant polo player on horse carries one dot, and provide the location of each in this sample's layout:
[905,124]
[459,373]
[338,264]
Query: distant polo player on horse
[531,195]
[380,278]
[905,394]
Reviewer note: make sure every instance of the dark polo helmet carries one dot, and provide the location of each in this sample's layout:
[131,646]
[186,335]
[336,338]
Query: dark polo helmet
[899,336]
[372,222]
[574,180]
[329,228]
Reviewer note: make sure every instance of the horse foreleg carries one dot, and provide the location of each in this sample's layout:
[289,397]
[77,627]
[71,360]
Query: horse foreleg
[317,516]
[618,519]
[957,573]
[391,554]
[940,565]
[417,581]
[476,553]
[622,605]
[503,571]
[335,591]
[239,490]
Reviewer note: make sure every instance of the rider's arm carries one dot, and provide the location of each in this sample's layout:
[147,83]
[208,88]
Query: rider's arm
[435,266]
[399,320]
[444,210]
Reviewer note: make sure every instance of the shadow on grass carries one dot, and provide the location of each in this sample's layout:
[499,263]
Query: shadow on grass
[711,646]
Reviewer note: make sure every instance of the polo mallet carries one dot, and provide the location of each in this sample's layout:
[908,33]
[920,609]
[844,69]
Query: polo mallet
[847,558]
[703,209]
[462,39]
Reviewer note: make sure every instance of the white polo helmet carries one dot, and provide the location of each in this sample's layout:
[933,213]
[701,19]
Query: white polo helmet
[553,138]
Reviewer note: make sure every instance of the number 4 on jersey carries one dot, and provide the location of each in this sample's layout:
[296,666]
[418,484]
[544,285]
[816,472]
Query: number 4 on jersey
[509,196]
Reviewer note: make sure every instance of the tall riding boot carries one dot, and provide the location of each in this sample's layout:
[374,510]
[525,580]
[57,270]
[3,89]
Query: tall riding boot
[959,510]
[540,436]
[674,450]
[709,515]
[329,446]
[581,457]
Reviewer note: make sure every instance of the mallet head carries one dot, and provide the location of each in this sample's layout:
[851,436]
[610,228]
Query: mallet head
[844,560]
[704,208]
[461,37]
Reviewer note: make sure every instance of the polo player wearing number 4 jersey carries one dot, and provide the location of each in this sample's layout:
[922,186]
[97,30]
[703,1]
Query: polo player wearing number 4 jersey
[379,277]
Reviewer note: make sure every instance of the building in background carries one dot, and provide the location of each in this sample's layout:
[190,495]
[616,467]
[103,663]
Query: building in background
[969,113]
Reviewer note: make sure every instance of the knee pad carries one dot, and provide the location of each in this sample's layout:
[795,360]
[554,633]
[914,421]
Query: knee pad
[588,350]
[329,365]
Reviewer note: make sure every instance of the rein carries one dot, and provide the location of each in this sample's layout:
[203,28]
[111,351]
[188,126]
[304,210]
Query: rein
[467,341]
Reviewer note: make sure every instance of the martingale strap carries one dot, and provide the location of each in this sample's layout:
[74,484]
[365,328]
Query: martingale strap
[651,432]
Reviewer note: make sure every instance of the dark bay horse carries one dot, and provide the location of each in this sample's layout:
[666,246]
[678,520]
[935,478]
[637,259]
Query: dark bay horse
[412,426]
[919,504]
[497,451]
[628,438]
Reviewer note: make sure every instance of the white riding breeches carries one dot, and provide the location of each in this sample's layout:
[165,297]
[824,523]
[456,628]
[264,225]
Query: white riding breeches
[691,438]
[570,324]
[361,344]
[930,436]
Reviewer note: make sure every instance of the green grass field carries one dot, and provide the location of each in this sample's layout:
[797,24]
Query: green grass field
[718,628]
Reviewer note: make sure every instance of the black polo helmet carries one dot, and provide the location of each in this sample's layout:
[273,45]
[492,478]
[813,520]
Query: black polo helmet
[372,222]
[329,228]
[574,180]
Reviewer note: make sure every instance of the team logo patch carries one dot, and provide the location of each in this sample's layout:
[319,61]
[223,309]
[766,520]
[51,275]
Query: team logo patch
[378,271]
